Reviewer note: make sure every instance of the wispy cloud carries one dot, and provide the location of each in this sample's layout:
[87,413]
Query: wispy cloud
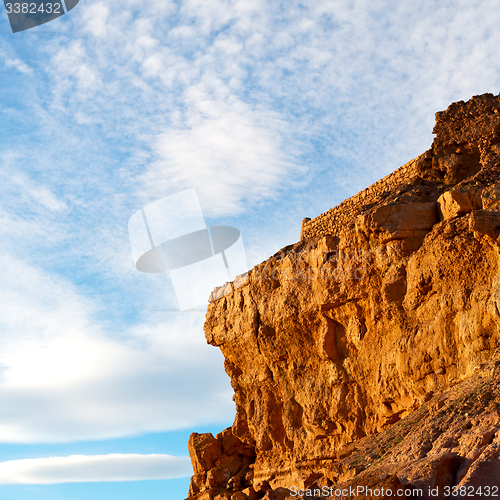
[230,155]
[363,78]
[252,102]
[28,190]
[94,468]
[64,378]
[15,63]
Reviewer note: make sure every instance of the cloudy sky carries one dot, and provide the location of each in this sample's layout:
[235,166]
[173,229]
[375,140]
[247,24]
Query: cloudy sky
[272,111]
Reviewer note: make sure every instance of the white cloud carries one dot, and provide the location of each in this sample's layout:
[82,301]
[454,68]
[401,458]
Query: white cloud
[94,468]
[19,65]
[171,67]
[232,158]
[363,78]
[231,97]
[28,191]
[95,18]
[76,68]
[64,379]
[14,62]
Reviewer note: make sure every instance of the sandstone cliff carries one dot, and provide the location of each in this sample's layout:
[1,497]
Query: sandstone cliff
[365,353]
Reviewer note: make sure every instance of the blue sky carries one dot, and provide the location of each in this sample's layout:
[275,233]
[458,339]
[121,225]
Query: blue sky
[273,111]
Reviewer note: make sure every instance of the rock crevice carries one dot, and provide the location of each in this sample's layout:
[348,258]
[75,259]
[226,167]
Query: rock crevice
[365,353]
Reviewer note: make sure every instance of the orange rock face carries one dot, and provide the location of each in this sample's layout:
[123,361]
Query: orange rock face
[389,302]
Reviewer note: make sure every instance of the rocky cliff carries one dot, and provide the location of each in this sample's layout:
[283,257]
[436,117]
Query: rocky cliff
[366,354]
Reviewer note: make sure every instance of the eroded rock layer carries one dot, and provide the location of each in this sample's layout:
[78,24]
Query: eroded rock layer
[390,301]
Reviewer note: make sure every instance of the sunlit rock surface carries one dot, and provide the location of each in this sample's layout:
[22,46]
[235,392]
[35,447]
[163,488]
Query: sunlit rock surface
[364,355]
